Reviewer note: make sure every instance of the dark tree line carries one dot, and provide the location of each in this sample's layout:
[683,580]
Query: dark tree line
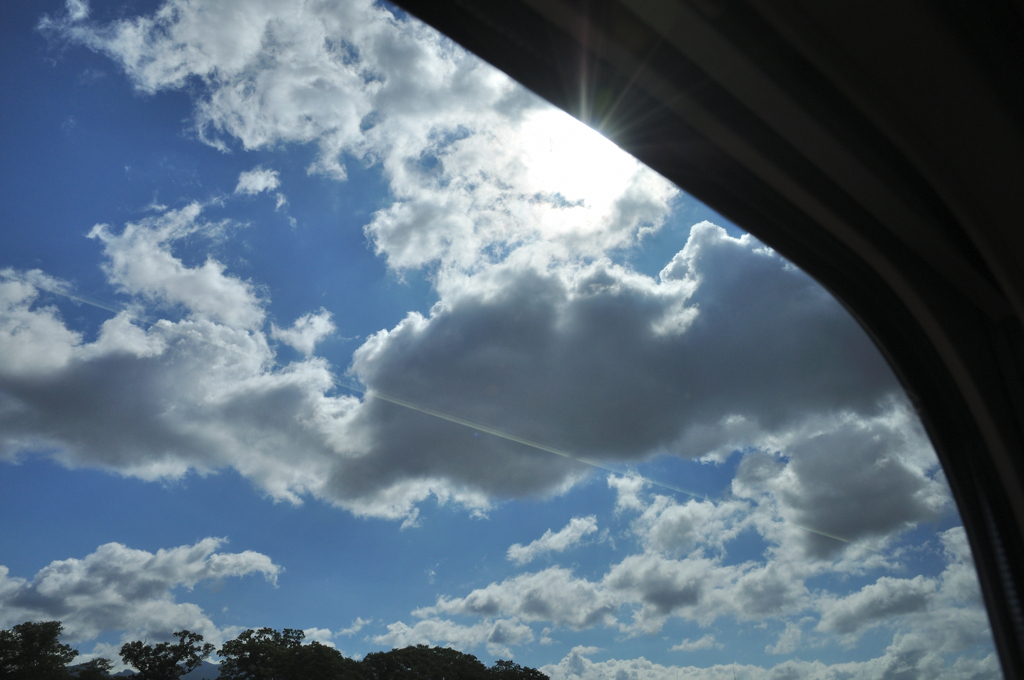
[33,651]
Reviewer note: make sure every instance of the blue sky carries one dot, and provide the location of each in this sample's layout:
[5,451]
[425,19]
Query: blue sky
[310,319]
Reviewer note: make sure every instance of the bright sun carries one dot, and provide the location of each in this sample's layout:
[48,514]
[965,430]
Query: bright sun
[567,157]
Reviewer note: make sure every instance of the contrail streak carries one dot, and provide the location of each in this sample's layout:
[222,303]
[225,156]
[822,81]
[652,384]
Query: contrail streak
[86,301]
[92,303]
[473,425]
[514,438]
[146,322]
[465,422]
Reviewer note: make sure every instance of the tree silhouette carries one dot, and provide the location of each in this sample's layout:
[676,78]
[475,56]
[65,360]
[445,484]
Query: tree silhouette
[320,662]
[264,654]
[508,670]
[167,661]
[267,654]
[97,669]
[31,651]
[423,663]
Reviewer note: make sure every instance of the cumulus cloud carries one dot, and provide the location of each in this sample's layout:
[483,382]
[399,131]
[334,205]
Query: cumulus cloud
[158,399]
[120,588]
[536,334]
[306,332]
[627,491]
[643,591]
[789,640]
[663,587]
[516,351]
[706,642]
[885,598]
[570,535]
[894,663]
[32,341]
[246,409]
[883,481]
[469,157]
[668,526]
[946,609]
[553,594]
[648,588]
[356,626]
[472,159]
[498,636]
[141,262]
[600,359]
[322,635]
[577,666]
[959,579]
[257,180]
[511,347]
[701,589]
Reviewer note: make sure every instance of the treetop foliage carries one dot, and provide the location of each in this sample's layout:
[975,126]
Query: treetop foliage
[167,661]
[31,651]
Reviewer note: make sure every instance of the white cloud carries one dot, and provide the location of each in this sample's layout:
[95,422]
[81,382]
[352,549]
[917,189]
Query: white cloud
[232,407]
[257,180]
[701,589]
[627,491]
[553,594]
[939,624]
[643,591]
[789,640]
[32,341]
[472,159]
[577,666]
[498,636]
[671,527]
[652,587]
[516,349]
[568,536]
[663,587]
[706,642]
[897,661]
[322,635]
[306,332]
[510,347]
[198,393]
[931,616]
[959,579]
[119,588]
[885,598]
[77,10]
[140,262]
[356,626]
[535,333]
[361,82]
[883,481]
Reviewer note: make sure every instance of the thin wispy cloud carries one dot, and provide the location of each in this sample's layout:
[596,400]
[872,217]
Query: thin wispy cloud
[558,541]
[257,180]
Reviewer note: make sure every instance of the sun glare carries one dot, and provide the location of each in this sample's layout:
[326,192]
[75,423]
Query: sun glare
[566,157]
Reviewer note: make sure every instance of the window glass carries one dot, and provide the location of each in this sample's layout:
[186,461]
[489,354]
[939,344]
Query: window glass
[309,319]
